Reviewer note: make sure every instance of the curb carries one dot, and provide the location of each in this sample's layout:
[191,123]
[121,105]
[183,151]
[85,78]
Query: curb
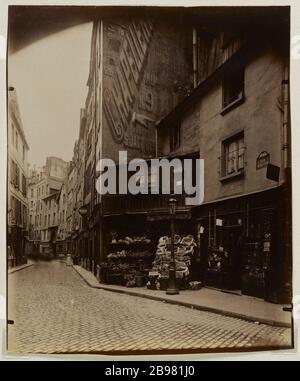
[13,270]
[188,305]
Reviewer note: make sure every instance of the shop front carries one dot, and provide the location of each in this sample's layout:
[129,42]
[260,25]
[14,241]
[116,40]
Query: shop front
[136,250]
[241,244]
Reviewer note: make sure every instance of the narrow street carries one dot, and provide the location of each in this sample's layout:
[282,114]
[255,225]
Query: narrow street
[55,311]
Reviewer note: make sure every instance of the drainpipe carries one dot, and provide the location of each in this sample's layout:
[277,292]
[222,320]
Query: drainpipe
[195,57]
[156,141]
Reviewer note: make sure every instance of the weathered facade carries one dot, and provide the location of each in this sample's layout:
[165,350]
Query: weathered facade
[206,91]
[137,67]
[17,177]
[43,217]
[237,121]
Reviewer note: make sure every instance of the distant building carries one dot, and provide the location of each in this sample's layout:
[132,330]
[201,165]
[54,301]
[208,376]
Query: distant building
[44,190]
[17,174]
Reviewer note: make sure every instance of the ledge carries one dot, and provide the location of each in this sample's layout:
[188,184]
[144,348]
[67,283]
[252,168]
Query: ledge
[235,103]
[233,176]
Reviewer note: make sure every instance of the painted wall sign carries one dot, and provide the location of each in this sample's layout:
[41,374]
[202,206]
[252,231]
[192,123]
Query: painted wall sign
[262,160]
[127,71]
[141,60]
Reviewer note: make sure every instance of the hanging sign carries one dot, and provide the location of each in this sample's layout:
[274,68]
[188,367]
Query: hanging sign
[273,172]
[262,160]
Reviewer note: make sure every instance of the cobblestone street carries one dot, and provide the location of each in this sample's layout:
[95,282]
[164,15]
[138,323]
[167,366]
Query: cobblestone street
[54,311]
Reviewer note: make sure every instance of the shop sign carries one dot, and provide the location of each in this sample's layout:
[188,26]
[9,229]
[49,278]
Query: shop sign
[262,160]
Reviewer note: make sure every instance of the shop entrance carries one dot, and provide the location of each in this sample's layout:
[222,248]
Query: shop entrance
[231,240]
[221,248]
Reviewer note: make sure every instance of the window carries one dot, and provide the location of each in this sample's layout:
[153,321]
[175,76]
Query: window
[23,153]
[31,192]
[233,155]
[175,136]
[54,215]
[233,88]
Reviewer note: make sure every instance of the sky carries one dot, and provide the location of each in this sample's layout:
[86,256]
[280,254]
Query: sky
[50,77]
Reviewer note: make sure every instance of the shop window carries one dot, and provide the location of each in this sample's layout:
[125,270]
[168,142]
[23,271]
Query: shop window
[233,150]
[174,133]
[233,89]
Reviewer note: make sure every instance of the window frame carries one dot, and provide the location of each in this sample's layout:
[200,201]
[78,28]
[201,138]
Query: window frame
[238,172]
[239,97]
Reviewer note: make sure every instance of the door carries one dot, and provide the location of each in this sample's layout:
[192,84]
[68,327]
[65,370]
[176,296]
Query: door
[232,241]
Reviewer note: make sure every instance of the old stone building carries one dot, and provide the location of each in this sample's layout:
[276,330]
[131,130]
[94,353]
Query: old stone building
[43,192]
[137,66]
[216,90]
[17,177]
[237,120]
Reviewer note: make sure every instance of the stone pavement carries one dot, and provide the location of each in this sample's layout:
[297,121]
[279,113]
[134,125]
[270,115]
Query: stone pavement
[55,311]
[206,299]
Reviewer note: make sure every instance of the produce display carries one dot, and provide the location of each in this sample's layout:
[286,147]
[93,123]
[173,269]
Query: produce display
[184,249]
[128,262]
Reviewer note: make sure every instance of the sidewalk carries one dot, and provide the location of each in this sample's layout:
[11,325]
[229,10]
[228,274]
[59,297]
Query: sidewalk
[239,306]
[18,268]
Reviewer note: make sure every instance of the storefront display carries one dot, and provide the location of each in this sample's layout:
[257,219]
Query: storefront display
[128,261]
[184,248]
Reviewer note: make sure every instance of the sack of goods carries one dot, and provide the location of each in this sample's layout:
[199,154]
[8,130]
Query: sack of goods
[183,251]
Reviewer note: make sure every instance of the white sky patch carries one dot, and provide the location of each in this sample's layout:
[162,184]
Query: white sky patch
[50,77]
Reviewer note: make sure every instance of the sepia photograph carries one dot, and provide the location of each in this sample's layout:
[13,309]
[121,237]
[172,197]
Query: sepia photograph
[148,193]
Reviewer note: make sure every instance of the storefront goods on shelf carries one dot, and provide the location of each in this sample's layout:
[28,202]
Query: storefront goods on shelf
[129,261]
[184,248]
[131,240]
[218,259]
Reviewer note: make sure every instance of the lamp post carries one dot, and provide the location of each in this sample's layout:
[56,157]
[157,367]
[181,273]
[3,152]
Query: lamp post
[172,289]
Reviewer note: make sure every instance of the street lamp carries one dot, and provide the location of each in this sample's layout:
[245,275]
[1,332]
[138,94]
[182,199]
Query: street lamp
[172,289]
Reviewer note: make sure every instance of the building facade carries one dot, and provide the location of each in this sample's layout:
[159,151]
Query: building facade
[44,189]
[137,66]
[213,91]
[237,120]
[17,177]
